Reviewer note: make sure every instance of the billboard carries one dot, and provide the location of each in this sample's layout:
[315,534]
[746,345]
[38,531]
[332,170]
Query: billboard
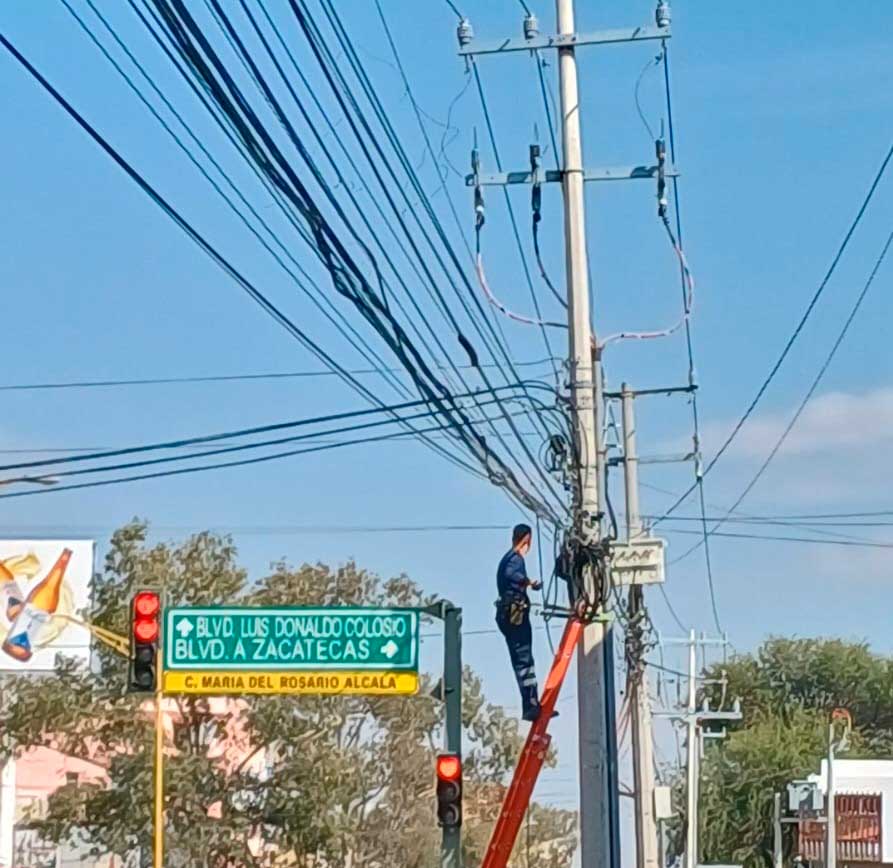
[44,584]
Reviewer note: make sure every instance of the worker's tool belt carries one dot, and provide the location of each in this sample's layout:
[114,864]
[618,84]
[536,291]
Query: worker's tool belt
[513,609]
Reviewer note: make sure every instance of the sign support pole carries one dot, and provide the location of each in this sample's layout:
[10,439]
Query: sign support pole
[451,843]
[158,826]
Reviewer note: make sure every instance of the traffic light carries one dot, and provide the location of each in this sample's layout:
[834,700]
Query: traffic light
[145,630]
[449,790]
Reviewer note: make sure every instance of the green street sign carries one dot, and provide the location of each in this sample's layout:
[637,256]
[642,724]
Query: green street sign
[291,639]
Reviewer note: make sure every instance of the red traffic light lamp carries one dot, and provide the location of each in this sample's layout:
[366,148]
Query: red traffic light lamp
[449,767]
[146,604]
[449,790]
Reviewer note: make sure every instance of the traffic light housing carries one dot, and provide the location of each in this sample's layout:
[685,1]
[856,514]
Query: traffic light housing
[449,790]
[145,633]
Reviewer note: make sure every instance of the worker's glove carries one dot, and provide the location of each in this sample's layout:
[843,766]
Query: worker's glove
[536,585]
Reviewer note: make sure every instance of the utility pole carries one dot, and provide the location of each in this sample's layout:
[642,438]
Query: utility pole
[840,719]
[599,845]
[777,840]
[647,855]
[694,718]
[595,813]
[691,814]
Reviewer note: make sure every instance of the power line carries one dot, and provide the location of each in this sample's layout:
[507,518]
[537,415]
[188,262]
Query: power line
[242,432]
[686,285]
[809,393]
[218,378]
[318,47]
[319,299]
[53,476]
[224,464]
[808,540]
[324,236]
[821,520]
[796,333]
[272,310]
[285,530]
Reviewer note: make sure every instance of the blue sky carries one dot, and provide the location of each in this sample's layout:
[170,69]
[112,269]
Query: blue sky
[782,118]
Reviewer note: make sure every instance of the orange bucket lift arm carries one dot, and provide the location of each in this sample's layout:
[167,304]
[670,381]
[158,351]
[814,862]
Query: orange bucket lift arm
[532,757]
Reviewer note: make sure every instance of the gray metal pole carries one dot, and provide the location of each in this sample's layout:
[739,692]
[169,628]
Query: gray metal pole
[595,815]
[451,842]
[691,839]
[831,813]
[630,463]
[777,842]
[647,847]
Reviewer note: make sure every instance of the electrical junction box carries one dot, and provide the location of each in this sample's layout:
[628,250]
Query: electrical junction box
[663,803]
[640,561]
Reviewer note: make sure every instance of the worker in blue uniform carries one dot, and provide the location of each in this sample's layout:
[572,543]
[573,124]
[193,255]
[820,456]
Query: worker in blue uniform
[513,617]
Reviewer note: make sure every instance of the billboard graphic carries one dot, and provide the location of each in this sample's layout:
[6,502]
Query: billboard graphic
[43,584]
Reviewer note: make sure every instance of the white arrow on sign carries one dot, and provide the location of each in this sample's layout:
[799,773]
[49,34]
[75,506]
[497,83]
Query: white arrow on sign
[184,627]
[390,649]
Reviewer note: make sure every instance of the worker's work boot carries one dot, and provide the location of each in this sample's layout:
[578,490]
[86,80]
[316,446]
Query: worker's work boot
[532,712]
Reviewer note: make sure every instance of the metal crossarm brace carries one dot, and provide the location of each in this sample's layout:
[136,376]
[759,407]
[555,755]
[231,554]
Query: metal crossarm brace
[517,798]
[553,176]
[570,40]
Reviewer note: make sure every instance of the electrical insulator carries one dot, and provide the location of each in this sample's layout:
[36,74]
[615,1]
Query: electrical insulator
[662,15]
[531,26]
[464,32]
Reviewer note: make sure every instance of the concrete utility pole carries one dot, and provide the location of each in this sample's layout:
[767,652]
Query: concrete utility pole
[595,813]
[777,840]
[841,721]
[694,718]
[647,853]
[599,828]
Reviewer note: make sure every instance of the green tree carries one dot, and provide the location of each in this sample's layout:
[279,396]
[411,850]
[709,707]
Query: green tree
[788,689]
[346,780]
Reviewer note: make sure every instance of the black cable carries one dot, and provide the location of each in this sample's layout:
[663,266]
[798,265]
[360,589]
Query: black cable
[324,235]
[392,409]
[672,611]
[331,68]
[197,238]
[361,211]
[689,341]
[798,329]
[242,447]
[453,7]
[536,217]
[213,378]
[769,538]
[415,107]
[201,468]
[354,338]
[806,399]
[348,280]
[305,23]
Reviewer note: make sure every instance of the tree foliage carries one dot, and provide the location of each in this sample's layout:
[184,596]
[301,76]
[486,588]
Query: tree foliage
[788,689]
[344,781]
